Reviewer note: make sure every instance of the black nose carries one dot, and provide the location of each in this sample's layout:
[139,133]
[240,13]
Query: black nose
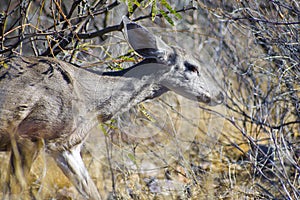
[220,97]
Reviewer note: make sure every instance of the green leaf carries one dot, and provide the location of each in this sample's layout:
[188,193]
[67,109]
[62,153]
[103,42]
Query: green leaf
[103,129]
[164,14]
[132,158]
[130,6]
[154,10]
[137,3]
[170,9]
[4,64]
[146,113]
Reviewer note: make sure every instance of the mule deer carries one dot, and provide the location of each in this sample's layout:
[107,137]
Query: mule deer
[53,103]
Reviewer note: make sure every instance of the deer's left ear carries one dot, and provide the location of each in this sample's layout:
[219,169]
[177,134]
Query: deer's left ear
[143,42]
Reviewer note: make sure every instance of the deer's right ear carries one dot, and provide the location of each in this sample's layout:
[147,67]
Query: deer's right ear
[142,41]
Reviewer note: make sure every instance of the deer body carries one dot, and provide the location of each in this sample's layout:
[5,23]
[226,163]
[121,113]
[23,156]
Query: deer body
[43,99]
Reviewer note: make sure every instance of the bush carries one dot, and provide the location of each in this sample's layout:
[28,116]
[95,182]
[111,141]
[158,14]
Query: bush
[247,148]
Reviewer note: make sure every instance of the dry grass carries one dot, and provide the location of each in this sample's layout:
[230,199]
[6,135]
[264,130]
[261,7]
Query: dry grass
[247,148]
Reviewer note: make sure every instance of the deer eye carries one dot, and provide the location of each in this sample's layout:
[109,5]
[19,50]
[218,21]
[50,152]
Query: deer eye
[191,67]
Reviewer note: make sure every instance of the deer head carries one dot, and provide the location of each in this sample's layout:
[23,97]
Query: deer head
[183,74]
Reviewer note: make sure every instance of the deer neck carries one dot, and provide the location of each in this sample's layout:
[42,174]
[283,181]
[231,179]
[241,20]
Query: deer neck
[107,95]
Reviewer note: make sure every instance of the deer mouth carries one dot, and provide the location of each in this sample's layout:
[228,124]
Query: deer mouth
[212,101]
[219,99]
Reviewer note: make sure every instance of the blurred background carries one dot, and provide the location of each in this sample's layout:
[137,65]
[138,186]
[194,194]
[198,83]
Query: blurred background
[171,147]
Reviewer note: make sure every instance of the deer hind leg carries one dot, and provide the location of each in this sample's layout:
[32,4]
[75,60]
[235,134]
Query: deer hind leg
[72,165]
[23,154]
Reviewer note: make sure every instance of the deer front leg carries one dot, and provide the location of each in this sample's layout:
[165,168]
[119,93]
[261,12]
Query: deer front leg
[23,153]
[72,165]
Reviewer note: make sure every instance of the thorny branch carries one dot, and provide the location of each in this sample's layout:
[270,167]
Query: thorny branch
[71,29]
[254,43]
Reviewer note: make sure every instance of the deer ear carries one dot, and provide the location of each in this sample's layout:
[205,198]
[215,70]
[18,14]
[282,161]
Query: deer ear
[142,41]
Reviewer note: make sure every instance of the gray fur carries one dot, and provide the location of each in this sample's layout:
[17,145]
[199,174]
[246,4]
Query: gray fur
[43,99]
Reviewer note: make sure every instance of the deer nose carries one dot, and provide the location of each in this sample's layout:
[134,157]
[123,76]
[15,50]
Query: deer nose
[220,97]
